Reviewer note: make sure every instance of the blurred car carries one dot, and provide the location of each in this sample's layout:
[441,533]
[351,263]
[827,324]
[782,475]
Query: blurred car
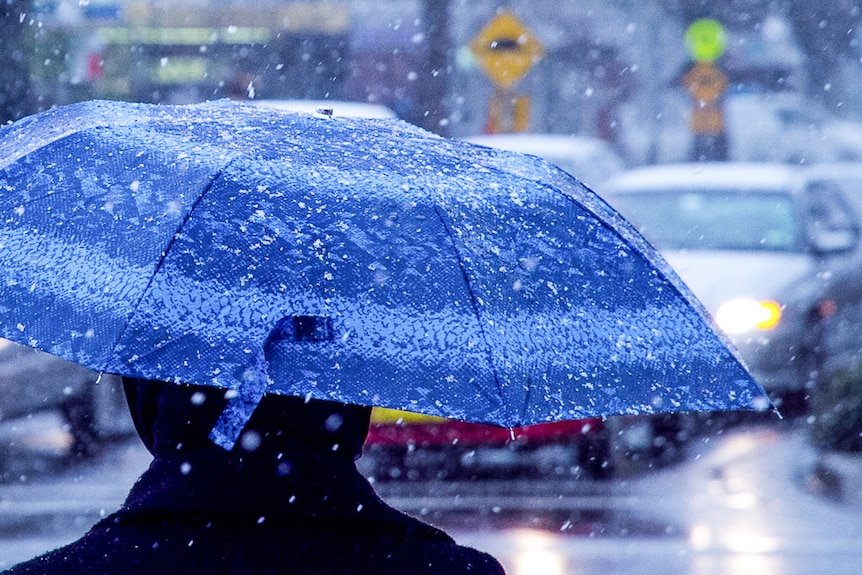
[591,160]
[756,243]
[93,407]
[836,401]
[404,445]
[843,339]
[338,107]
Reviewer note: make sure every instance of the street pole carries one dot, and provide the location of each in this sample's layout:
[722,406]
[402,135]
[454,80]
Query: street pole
[16,97]
[652,20]
[434,77]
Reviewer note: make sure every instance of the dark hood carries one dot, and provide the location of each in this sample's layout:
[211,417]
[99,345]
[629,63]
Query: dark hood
[175,418]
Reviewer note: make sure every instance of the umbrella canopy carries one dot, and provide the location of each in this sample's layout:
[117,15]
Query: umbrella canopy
[357,260]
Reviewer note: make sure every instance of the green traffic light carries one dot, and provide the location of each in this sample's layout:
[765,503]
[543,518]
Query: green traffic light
[705,40]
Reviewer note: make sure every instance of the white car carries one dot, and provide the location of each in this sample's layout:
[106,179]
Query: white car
[338,107]
[845,175]
[590,160]
[755,243]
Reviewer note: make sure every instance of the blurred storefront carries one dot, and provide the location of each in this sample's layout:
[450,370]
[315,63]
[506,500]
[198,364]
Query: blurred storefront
[188,51]
[608,69]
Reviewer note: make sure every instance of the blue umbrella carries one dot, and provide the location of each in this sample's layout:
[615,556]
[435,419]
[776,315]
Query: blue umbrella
[363,261]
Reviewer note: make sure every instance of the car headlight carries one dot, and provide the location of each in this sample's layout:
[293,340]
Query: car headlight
[741,315]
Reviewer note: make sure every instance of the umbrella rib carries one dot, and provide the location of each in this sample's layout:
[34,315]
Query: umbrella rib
[613,222]
[164,256]
[473,302]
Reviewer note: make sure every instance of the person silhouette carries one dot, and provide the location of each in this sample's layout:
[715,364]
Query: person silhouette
[287,498]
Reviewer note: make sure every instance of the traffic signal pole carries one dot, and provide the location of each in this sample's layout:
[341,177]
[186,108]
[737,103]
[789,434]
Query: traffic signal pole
[16,97]
[706,84]
[435,73]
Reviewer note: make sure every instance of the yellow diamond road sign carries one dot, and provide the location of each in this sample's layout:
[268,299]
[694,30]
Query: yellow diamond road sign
[506,50]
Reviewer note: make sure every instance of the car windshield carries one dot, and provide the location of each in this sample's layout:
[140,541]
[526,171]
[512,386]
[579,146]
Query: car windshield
[713,219]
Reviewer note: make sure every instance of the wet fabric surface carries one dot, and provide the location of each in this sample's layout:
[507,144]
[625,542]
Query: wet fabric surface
[364,261]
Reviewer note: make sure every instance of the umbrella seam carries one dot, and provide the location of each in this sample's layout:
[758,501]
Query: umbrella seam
[646,251]
[642,247]
[473,302]
[611,221]
[165,252]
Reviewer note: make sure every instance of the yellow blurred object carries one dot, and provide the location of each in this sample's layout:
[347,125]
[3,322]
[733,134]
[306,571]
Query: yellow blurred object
[706,84]
[742,315]
[384,415]
[521,120]
[770,315]
[506,50]
[508,113]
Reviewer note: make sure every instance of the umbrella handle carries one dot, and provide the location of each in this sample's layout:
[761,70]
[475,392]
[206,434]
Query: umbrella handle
[243,401]
[241,404]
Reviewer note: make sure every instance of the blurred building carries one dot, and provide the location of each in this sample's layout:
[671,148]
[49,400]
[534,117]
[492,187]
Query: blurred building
[191,50]
[610,69]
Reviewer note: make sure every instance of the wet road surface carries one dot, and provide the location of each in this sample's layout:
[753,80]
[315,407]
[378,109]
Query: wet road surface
[738,503]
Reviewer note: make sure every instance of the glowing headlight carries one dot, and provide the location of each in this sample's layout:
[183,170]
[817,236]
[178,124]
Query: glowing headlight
[741,315]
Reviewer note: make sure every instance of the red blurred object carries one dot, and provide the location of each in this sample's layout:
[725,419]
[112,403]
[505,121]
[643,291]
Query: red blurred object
[450,431]
[95,66]
[409,445]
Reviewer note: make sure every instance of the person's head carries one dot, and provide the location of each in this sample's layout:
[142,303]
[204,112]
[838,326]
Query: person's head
[173,418]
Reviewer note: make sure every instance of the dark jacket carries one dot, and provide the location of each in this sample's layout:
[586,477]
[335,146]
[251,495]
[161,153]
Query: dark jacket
[288,499]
